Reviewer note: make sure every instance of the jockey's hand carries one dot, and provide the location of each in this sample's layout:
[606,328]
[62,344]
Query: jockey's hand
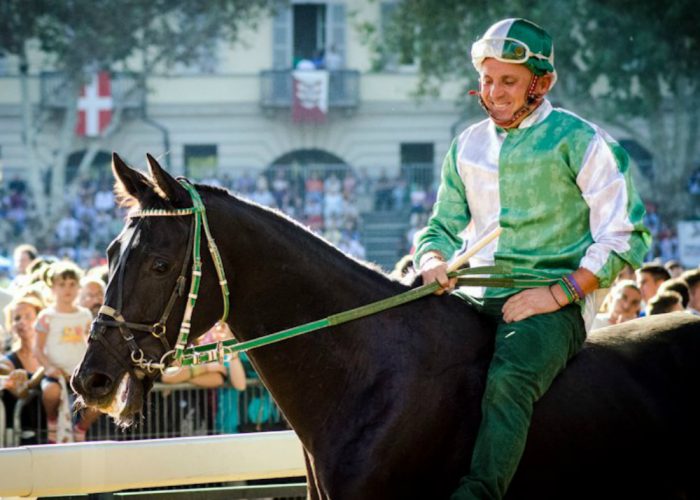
[529,303]
[435,269]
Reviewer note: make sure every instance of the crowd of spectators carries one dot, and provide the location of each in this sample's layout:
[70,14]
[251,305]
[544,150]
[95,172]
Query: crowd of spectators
[665,238]
[328,201]
[48,307]
[655,288]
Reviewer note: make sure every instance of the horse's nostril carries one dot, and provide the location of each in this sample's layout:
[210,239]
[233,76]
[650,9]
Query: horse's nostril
[98,384]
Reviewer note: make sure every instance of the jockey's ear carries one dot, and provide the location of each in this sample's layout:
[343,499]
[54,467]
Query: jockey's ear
[131,181]
[171,189]
[544,83]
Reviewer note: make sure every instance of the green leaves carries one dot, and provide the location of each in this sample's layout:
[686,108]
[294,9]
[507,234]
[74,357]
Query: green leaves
[633,65]
[91,34]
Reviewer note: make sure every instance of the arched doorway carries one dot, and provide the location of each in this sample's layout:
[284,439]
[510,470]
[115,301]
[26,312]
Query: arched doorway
[305,170]
[308,157]
[314,186]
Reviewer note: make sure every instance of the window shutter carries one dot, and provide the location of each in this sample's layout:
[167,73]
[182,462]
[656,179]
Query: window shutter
[336,29]
[282,36]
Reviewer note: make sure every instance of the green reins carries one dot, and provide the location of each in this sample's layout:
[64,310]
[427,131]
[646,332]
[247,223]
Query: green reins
[490,276]
[217,351]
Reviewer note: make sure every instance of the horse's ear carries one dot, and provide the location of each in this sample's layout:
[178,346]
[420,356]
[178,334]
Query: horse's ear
[130,181]
[171,189]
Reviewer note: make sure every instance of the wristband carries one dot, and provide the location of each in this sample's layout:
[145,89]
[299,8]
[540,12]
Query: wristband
[577,287]
[572,290]
[567,292]
[431,257]
[555,297]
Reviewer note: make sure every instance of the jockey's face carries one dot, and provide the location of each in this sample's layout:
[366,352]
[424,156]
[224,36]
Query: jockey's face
[504,87]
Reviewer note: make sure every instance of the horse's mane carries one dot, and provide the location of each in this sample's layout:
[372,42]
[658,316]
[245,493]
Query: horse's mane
[271,215]
[275,217]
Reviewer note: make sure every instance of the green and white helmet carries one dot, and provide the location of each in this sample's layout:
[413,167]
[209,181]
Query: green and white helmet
[517,41]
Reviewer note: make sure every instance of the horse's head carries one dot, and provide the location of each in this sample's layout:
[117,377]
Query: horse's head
[150,266]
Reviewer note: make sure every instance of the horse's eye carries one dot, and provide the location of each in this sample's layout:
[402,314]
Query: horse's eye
[160,266]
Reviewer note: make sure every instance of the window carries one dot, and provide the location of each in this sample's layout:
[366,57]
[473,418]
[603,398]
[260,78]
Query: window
[201,161]
[404,55]
[417,162]
[309,31]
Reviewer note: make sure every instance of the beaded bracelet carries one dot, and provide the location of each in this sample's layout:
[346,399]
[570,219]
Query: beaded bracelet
[576,286]
[567,292]
[572,289]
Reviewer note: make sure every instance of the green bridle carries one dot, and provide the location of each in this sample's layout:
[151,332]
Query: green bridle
[158,330]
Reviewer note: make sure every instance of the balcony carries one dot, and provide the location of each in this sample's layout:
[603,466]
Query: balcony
[125,94]
[343,89]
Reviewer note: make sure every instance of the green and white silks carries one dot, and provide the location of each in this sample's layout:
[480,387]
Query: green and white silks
[558,186]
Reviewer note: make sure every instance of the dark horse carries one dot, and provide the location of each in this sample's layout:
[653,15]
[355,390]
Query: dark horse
[387,407]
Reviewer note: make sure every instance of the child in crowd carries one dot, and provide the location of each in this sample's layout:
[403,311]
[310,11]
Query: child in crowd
[62,330]
[229,378]
[210,374]
[23,255]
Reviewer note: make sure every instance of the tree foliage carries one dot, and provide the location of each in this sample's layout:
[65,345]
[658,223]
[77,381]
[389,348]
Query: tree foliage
[82,36]
[631,64]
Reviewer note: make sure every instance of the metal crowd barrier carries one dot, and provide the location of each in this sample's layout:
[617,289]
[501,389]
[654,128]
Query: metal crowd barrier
[172,410]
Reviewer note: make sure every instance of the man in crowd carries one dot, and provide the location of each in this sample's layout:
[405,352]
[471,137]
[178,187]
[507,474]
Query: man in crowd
[649,278]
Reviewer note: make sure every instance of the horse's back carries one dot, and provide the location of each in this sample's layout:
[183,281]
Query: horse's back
[620,421]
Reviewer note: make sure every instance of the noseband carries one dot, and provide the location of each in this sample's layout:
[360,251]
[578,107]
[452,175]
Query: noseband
[158,330]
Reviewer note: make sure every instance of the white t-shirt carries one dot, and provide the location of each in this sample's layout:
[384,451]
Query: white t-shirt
[66,340]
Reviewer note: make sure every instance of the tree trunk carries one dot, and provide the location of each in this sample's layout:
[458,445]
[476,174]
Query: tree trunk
[34,178]
[65,147]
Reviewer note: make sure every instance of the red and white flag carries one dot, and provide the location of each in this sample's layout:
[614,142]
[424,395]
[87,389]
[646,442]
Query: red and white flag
[95,106]
[310,101]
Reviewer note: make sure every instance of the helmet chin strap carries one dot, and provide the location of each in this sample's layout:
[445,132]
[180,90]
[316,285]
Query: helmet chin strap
[532,101]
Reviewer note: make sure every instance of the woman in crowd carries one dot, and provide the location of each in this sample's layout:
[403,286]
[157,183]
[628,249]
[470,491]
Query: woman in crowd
[625,304]
[19,368]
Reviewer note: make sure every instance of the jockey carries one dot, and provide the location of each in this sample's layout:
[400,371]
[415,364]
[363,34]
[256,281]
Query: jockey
[560,189]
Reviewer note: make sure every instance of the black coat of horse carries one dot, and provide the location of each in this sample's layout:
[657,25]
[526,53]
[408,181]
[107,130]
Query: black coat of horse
[387,407]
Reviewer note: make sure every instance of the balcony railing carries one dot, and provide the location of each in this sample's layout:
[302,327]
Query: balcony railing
[276,89]
[125,94]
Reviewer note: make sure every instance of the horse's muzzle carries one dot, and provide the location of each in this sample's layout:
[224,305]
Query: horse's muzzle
[93,385]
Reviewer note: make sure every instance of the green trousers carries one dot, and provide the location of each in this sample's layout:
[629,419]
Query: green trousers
[528,356]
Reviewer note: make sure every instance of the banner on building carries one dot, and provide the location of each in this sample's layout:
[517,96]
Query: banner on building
[95,106]
[689,243]
[310,96]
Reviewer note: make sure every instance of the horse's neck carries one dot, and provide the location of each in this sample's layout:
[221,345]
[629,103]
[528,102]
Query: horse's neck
[284,277]
[283,274]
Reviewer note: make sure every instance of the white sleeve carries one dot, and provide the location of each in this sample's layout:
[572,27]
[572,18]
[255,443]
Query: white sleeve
[604,188]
